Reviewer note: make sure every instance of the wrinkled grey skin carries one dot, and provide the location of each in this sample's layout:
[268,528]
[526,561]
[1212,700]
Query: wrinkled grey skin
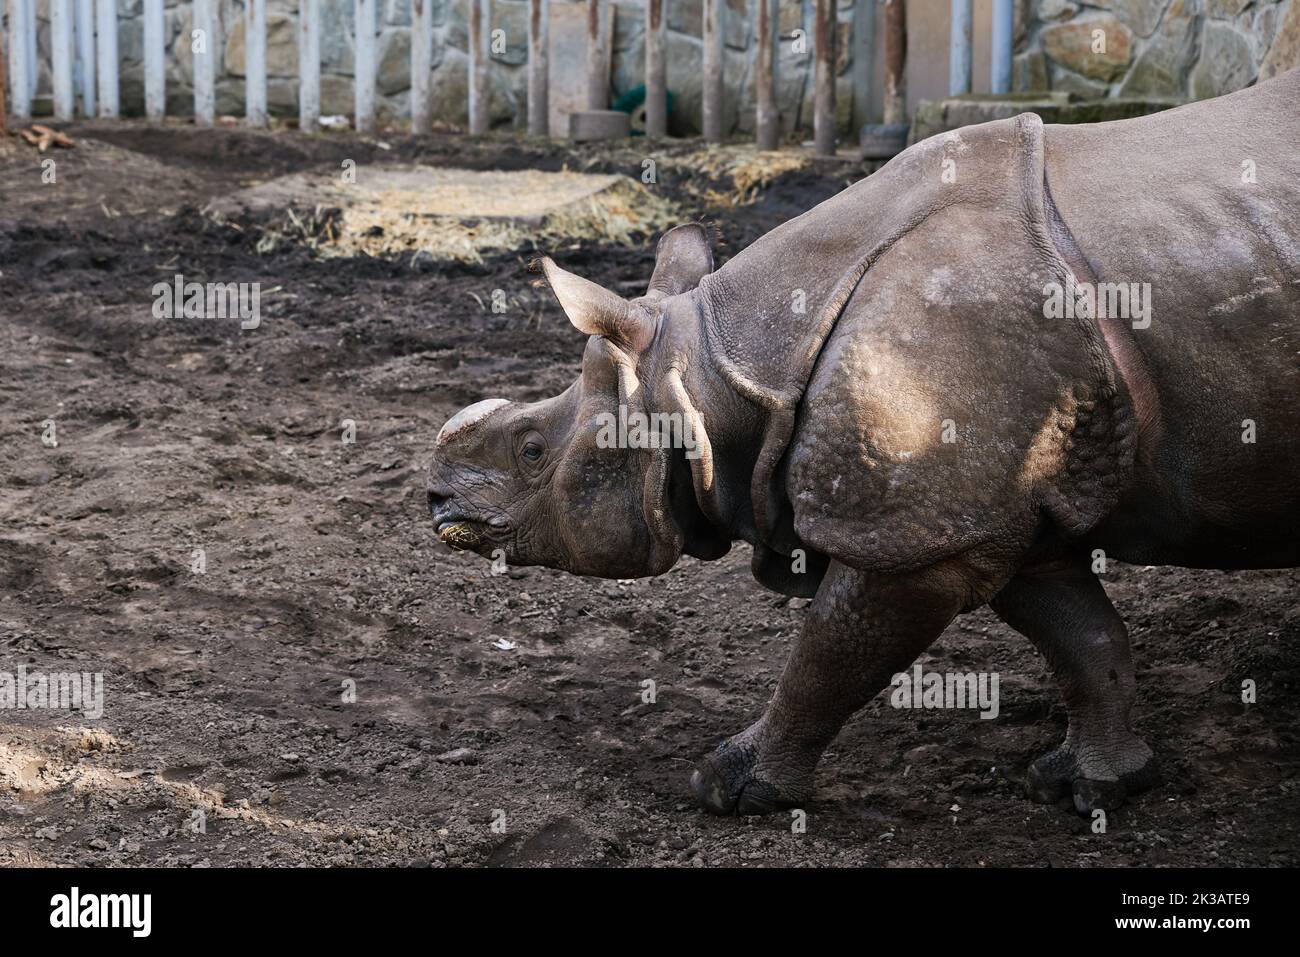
[820,431]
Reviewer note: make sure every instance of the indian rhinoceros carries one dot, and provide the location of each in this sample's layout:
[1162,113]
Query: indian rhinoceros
[1013,349]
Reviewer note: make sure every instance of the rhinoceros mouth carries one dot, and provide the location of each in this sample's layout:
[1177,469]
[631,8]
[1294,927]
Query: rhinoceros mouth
[459,534]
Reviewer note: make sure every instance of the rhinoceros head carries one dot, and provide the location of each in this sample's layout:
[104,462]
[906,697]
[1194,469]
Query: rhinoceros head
[540,483]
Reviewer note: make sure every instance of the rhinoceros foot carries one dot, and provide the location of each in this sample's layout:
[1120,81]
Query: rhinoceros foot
[1093,782]
[737,779]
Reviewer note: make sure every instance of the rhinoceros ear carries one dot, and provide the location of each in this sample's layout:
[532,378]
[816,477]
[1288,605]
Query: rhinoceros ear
[596,311]
[682,259]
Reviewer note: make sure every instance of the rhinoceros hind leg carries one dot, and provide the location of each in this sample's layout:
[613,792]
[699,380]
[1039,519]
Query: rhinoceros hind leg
[861,630]
[1063,609]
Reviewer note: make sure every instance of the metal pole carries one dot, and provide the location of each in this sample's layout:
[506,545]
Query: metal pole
[1000,43]
[959,48]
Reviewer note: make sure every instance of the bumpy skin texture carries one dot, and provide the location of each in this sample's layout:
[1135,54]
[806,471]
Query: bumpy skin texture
[880,404]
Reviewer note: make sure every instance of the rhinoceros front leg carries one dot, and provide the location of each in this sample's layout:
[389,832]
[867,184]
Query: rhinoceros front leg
[1063,609]
[862,629]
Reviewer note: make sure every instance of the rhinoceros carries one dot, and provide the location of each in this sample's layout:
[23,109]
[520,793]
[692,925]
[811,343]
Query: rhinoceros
[1014,350]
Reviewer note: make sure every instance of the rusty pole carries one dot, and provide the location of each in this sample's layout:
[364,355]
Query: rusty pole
[539,13]
[768,120]
[824,104]
[712,92]
[895,61]
[656,80]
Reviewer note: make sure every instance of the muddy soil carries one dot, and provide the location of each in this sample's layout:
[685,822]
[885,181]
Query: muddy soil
[338,688]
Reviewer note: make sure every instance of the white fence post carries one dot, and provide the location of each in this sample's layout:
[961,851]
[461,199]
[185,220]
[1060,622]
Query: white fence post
[106,35]
[364,90]
[86,54]
[539,15]
[155,62]
[421,64]
[203,41]
[20,91]
[61,57]
[255,62]
[309,64]
[29,28]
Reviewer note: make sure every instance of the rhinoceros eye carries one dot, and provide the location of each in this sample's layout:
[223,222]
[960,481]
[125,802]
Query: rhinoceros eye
[532,448]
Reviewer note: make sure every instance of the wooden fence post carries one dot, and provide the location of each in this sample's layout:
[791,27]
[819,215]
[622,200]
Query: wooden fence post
[864,61]
[712,93]
[539,15]
[825,29]
[106,35]
[656,79]
[895,61]
[255,62]
[85,11]
[155,62]
[364,79]
[61,57]
[479,89]
[768,118]
[20,91]
[421,66]
[309,64]
[203,42]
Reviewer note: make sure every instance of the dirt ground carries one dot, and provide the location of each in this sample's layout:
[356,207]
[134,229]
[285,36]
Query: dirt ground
[477,698]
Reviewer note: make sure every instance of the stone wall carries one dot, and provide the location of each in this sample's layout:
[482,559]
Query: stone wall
[1186,49]
[1153,48]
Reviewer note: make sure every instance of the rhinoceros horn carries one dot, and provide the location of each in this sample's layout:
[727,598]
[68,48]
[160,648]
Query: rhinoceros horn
[596,311]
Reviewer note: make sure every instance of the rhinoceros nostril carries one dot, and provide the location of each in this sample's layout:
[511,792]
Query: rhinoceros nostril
[438,504]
